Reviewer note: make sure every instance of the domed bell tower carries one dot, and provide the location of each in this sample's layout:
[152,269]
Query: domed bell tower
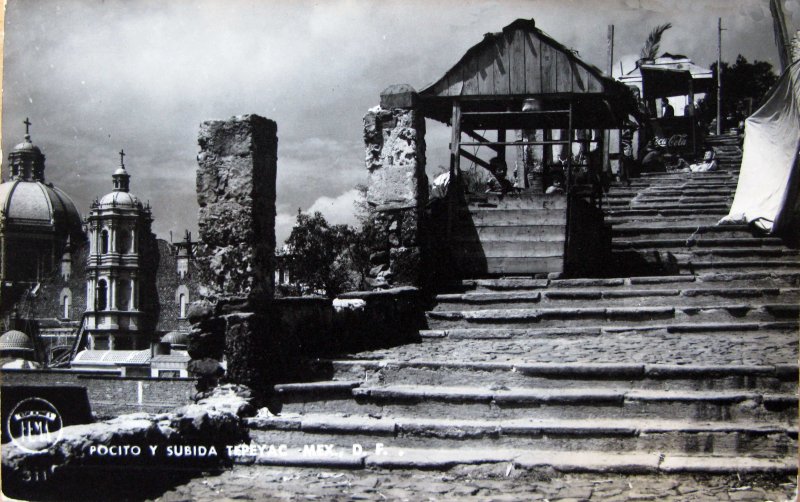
[121,269]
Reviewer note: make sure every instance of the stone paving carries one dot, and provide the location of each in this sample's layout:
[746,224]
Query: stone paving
[652,347]
[497,482]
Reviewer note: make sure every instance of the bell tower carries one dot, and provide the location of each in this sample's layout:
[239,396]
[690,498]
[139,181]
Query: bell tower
[119,268]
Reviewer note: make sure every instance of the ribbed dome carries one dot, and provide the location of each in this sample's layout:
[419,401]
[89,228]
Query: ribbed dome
[175,338]
[26,146]
[15,340]
[32,203]
[120,199]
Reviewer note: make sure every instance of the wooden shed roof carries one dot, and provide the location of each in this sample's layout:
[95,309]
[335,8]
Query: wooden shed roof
[521,62]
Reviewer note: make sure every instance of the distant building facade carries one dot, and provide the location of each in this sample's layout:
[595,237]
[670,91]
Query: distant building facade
[106,273]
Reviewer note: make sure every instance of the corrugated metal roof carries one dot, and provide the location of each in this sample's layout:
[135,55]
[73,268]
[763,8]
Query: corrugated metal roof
[111,357]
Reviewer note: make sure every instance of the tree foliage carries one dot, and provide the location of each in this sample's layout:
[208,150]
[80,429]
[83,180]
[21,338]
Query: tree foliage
[331,259]
[744,86]
[651,45]
[320,258]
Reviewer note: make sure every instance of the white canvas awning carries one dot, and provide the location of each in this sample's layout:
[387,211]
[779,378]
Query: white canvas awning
[768,181]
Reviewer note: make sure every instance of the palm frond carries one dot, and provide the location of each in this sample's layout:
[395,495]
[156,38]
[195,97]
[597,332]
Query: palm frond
[650,49]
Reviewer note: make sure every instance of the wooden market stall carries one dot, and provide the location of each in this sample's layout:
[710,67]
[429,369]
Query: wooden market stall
[523,81]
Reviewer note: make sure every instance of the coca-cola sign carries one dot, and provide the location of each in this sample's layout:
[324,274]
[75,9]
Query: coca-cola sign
[674,141]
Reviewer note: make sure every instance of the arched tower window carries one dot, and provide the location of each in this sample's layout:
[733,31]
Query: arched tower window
[101,295]
[182,299]
[66,303]
[104,242]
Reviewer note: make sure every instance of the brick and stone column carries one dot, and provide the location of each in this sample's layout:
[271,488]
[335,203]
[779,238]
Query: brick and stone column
[394,136]
[236,192]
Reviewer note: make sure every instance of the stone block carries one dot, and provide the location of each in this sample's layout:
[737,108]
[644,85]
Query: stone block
[247,350]
[395,157]
[399,96]
[236,192]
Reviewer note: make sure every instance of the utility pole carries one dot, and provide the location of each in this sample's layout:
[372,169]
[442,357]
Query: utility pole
[719,76]
[607,133]
[781,35]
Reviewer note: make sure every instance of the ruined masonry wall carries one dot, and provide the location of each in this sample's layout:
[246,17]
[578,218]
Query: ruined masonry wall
[236,191]
[236,173]
[397,190]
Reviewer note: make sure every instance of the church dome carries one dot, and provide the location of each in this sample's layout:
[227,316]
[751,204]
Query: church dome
[26,147]
[15,340]
[175,338]
[121,200]
[40,205]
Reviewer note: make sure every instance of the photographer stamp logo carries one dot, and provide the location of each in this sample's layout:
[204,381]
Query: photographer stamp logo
[34,424]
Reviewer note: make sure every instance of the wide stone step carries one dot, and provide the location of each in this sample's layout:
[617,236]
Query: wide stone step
[776,278]
[703,240]
[521,233]
[674,436]
[519,459]
[730,265]
[478,264]
[680,205]
[669,230]
[634,213]
[517,201]
[781,378]
[697,253]
[697,219]
[658,346]
[723,311]
[610,297]
[556,403]
[514,217]
[656,198]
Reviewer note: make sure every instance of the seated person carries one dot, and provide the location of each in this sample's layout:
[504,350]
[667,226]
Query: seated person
[653,160]
[556,186]
[675,163]
[498,168]
[709,163]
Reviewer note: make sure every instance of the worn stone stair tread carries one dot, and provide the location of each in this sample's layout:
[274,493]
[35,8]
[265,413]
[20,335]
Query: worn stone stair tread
[764,262]
[592,331]
[587,461]
[687,229]
[750,243]
[555,312]
[560,396]
[316,387]
[364,424]
[588,370]
[597,294]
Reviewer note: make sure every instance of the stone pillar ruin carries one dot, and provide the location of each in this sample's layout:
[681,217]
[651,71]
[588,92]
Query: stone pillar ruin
[394,137]
[236,192]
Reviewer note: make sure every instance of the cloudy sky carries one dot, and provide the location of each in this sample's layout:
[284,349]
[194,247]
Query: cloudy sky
[95,76]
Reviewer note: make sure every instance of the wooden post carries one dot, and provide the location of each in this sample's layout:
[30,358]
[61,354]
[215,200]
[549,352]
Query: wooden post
[455,160]
[568,178]
[692,122]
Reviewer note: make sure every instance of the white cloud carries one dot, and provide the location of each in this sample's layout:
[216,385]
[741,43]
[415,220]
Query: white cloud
[337,210]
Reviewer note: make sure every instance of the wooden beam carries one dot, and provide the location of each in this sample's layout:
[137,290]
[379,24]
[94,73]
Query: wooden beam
[474,158]
[474,135]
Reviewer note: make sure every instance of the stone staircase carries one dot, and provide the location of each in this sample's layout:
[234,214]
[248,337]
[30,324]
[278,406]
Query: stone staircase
[695,371]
